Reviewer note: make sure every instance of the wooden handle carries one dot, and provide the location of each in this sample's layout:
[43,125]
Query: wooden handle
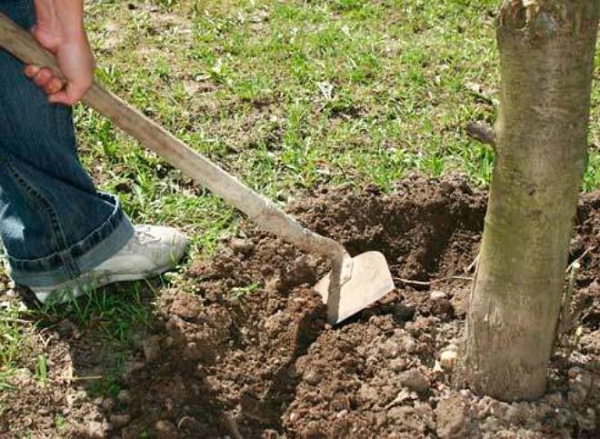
[263,212]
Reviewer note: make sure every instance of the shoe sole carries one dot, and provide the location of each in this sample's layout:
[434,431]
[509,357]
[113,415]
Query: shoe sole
[85,286]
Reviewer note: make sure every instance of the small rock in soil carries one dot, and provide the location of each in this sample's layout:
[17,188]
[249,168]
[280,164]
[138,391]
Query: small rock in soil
[243,246]
[312,431]
[442,308]
[96,430]
[555,399]
[414,380]
[409,345]
[449,357]
[303,271]
[460,301]
[151,348]
[166,429]
[437,295]
[368,393]
[452,418]
[398,364]
[426,412]
[124,397]
[186,306]
[119,421]
[108,404]
[390,349]
[312,376]
[270,434]
[339,403]
[405,417]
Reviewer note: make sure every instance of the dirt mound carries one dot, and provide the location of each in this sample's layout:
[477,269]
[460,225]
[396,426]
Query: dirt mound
[244,349]
[269,365]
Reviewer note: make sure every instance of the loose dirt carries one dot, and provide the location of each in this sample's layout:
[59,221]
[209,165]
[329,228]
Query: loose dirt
[245,351]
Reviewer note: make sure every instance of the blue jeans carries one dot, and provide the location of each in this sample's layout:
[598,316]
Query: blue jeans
[53,223]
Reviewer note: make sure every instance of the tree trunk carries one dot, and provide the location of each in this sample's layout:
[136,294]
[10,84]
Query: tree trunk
[546,64]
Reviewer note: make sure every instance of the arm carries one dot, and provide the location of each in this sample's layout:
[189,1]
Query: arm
[60,29]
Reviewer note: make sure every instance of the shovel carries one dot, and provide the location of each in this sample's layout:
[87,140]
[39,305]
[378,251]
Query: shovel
[353,283]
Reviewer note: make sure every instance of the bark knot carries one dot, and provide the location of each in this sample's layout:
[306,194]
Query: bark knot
[532,16]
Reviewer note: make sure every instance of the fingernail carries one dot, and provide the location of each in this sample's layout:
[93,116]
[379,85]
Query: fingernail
[31,70]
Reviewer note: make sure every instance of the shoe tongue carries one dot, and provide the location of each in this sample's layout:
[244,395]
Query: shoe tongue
[143,237]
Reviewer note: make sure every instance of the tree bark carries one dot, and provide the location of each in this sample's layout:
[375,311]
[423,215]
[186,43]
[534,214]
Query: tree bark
[546,64]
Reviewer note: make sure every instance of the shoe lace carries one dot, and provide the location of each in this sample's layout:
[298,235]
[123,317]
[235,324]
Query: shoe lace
[142,237]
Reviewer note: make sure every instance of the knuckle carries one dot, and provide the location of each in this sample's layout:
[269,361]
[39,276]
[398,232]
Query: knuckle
[53,87]
[40,80]
[45,71]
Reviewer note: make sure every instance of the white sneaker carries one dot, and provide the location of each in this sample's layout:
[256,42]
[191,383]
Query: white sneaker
[151,251]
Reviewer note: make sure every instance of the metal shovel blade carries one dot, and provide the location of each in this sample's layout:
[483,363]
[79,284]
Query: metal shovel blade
[370,281]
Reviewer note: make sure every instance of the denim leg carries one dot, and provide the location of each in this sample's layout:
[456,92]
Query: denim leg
[53,222]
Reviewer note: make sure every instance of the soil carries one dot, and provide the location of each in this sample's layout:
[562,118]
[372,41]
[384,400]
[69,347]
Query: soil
[245,351]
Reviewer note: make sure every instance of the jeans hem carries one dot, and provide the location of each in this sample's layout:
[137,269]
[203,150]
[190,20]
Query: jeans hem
[102,243]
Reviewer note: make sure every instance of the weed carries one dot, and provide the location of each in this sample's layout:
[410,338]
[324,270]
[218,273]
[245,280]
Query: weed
[239,293]
[60,423]
[41,370]
[14,342]
[5,376]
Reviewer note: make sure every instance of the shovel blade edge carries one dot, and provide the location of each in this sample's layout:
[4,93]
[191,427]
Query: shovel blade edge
[370,281]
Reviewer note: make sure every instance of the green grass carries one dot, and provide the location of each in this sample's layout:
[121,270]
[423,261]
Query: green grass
[285,95]
[14,344]
[119,316]
[296,94]
[41,370]
[239,293]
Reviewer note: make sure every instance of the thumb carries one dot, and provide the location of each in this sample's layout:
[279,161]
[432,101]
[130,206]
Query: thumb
[60,97]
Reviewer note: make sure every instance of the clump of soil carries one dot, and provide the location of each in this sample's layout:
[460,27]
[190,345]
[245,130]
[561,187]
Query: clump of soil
[245,350]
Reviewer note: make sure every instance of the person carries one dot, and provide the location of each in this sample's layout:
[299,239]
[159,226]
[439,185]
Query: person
[61,236]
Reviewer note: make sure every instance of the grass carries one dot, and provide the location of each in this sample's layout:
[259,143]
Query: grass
[41,370]
[298,94]
[239,293]
[285,95]
[14,344]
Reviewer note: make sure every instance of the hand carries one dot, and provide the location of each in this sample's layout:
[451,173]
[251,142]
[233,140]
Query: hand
[67,40]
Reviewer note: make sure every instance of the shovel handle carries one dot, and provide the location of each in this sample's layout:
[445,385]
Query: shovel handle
[262,211]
